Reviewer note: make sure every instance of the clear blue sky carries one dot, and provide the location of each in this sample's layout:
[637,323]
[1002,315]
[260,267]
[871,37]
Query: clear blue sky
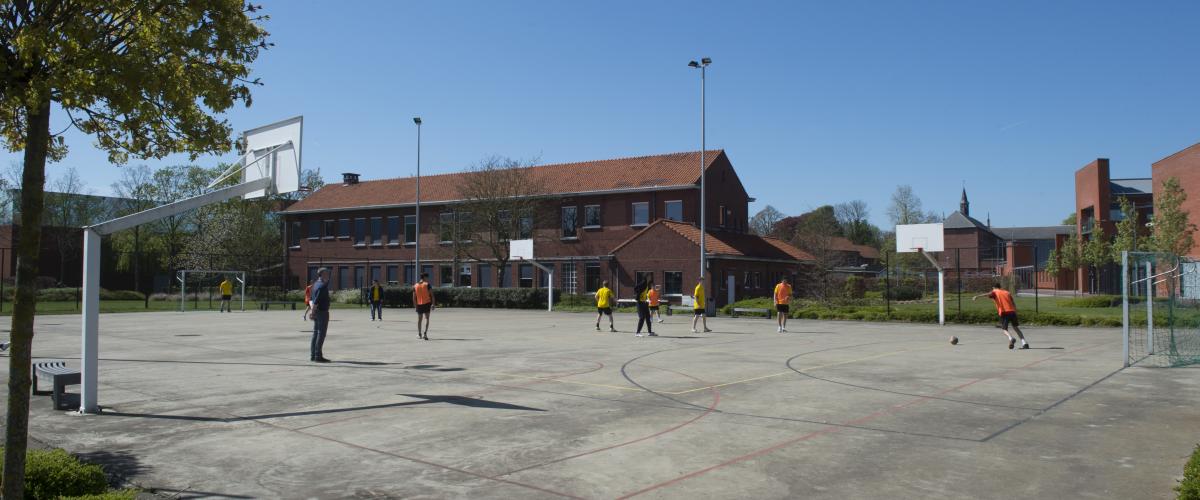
[815,102]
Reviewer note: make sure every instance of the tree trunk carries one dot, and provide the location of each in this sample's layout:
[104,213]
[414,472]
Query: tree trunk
[16,432]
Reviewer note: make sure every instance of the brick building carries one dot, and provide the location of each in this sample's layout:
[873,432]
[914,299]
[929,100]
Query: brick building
[970,245]
[612,220]
[1097,205]
[1185,166]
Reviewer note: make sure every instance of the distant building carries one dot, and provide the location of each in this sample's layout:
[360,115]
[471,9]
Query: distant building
[1097,207]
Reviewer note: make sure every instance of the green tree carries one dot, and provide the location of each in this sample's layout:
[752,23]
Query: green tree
[1070,220]
[146,78]
[1173,232]
[1126,239]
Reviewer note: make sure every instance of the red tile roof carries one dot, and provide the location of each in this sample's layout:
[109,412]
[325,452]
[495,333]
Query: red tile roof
[842,244]
[729,243]
[643,172]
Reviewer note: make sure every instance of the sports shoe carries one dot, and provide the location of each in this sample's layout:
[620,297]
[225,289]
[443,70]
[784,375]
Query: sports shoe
[1011,343]
[706,330]
[660,320]
[321,360]
[694,330]
[779,329]
[1024,346]
[597,327]
[785,330]
[637,335]
[611,329]
[652,334]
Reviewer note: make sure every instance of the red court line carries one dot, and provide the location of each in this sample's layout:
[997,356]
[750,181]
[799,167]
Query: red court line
[711,407]
[835,428]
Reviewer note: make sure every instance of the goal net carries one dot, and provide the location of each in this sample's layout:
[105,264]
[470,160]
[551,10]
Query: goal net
[201,288]
[1161,309]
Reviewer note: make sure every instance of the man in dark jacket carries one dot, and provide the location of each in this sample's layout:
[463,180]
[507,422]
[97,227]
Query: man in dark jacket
[320,316]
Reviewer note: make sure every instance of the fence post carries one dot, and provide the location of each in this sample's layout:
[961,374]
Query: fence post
[1125,305]
[1035,279]
[958,274]
[887,283]
[1150,306]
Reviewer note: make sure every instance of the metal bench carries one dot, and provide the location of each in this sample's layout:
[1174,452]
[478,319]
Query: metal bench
[62,376]
[739,310]
[671,309]
[266,304]
[626,303]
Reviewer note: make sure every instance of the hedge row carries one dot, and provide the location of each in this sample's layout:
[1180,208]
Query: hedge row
[51,474]
[72,294]
[495,298]
[877,313]
[1189,487]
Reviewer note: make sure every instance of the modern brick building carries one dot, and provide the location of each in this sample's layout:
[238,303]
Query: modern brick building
[613,220]
[1097,205]
[1185,166]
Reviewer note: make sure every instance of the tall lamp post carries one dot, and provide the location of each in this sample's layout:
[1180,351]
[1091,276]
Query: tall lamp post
[704,62]
[417,237]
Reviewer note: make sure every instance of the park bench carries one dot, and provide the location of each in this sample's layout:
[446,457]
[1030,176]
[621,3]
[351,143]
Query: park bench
[626,303]
[739,310]
[266,304]
[687,309]
[62,376]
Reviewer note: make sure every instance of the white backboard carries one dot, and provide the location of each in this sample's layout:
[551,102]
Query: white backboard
[928,237]
[520,249]
[274,151]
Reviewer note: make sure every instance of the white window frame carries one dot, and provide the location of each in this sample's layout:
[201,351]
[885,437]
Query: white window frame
[599,217]
[633,214]
[562,218]
[667,211]
[404,231]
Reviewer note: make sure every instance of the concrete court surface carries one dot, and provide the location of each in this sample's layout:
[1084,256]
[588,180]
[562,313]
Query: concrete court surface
[531,404]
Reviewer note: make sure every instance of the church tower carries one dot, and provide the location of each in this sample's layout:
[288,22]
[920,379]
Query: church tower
[964,206]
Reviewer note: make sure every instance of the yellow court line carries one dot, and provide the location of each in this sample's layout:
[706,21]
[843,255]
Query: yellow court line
[867,358]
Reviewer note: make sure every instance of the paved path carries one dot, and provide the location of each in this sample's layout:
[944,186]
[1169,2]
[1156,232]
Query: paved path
[528,404]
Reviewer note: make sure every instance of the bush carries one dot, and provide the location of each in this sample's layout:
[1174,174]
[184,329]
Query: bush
[73,294]
[112,495]
[56,473]
[755,303]
[294,296]
[1189,487]
[855,288]
[905,292]
[347,296]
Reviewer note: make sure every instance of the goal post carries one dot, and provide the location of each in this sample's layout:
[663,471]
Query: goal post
[1160,309]
[182,277]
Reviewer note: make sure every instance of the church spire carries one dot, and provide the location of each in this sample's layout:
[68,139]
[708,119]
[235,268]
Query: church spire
[964,206]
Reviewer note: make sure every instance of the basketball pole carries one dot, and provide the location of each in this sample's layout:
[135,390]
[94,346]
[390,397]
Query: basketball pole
[941,286]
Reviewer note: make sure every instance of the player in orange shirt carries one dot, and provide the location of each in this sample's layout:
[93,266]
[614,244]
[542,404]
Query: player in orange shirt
[655,298]
[307,299]
[423,300]
[1008,313]
[783,297]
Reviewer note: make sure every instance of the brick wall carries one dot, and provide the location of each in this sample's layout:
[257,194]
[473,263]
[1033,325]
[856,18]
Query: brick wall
[1184,165]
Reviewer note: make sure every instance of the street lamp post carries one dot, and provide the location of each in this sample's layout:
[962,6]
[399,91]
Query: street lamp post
[417,237]
[704,62]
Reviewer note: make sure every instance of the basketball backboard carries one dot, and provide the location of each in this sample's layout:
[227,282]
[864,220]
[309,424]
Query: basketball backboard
[520,249]
[274,151]
[927,237]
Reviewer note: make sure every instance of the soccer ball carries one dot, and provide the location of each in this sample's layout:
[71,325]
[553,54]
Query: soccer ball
[953,340]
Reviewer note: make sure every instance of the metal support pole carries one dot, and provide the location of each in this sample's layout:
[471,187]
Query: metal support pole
[1150,307]
[941,297]
[182,279]
[243,280]
[417,237]
[1035,279]
[887,283]
[1125,305]
[703,221]
[550,293]
[91,322]
[958,273]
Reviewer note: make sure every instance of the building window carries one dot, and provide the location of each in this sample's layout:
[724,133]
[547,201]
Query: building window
[360,276]
[757,279]
[330,229]
[721,215]
[570,218]
[591,277]
[294,234]
[747,281]
[312,274]
[591,216]
[464,275]
[360,232]
[504,229]
[314,229]
[525,227]
[343,277]
[393,275]
[485,275]
[569,280]
[376,273]
[505,276]
[393,236]
[410,274]
[462,226]
[641,276]
[410,229]
[427,270]
[376,231]
[344,229]
[526,271]
[674,210]
[447,272]
[641,213]
[446,227]
[673,282]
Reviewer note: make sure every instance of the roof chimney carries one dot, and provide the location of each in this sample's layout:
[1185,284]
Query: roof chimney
[349,178]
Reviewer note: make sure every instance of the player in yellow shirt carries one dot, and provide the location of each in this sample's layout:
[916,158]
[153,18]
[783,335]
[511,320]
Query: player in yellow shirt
[604,302]
[698,305]
[783,297]
[226,295]
[376,296]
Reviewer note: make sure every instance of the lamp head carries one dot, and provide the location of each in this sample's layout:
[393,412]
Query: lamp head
[417,120]
[706,61]
[694,64]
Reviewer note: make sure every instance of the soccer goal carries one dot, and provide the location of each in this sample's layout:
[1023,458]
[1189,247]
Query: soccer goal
[1160,313]
[199,280]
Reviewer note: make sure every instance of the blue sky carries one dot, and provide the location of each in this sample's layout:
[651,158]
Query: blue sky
[815,102]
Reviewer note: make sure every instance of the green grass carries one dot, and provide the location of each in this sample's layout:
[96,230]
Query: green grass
[120,306]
